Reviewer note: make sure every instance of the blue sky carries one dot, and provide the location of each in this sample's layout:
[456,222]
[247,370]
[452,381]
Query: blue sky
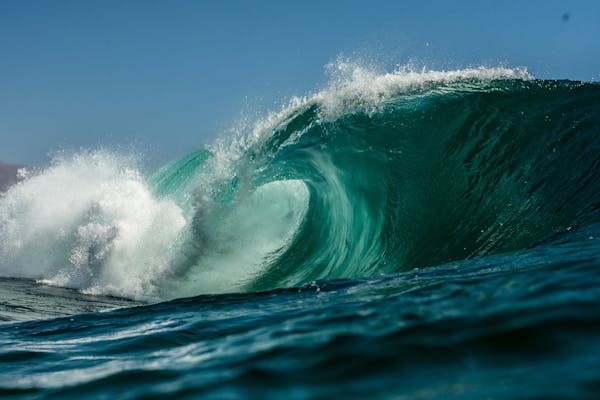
[170,75]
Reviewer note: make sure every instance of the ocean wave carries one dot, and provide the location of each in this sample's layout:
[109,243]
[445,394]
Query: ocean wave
[376,173]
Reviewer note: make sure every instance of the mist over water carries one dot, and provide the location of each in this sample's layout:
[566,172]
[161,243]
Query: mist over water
[405,218]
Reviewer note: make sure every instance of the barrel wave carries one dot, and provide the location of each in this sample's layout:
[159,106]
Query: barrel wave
[418,235]
[375,174]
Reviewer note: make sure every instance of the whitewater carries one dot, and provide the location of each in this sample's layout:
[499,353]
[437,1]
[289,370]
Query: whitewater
[438,227]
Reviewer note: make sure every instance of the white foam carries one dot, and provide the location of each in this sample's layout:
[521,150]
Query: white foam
[88,222]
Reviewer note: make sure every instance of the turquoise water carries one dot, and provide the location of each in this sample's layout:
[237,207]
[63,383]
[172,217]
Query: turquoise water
[403,235]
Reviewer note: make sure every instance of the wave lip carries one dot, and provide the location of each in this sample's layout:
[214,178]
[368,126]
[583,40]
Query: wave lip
[355,88]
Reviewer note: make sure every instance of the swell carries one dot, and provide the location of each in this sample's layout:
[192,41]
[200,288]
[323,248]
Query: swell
[373,175]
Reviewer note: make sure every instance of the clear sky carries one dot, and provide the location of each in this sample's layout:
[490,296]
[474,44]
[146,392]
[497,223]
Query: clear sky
[170,75]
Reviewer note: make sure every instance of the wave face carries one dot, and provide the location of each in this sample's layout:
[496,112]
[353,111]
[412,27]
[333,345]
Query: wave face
[375,174]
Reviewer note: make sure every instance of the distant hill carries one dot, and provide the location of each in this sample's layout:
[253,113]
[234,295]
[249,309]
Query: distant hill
[8,175]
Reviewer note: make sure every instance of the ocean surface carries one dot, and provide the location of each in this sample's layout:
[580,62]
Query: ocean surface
[405,235]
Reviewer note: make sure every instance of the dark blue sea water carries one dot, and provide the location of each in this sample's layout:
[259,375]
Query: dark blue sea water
[431,235]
